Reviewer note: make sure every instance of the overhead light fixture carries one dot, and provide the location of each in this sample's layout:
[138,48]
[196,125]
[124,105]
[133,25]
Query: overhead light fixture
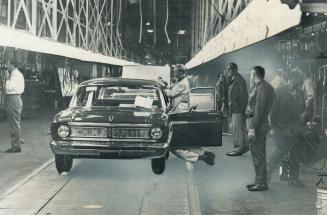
[133,1]
[109,23]
[181,32]
[150,30]
[148,24]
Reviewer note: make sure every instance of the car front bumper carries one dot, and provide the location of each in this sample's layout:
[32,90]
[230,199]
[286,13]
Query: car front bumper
[81,149]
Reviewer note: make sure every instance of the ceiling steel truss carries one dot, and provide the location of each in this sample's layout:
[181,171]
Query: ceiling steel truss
[89,24]
[209,17]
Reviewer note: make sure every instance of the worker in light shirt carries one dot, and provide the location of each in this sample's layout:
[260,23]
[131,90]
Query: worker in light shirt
[14,88]
[176,93]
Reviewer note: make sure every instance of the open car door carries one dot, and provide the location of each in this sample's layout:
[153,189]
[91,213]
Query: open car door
[195,121]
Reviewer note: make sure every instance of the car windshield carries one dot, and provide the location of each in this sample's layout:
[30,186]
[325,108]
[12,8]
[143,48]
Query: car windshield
[117,96]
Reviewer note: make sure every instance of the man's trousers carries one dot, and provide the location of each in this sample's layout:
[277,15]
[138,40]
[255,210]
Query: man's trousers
[14,107]
[239,131]
[258,153]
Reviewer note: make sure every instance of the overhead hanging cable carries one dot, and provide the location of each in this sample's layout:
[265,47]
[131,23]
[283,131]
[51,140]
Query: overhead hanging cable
[167,17]
[118,24]
[154,21]
[141,22]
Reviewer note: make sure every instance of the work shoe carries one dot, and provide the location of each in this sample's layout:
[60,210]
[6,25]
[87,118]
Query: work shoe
[234,153]
[250,185]
[14,150]
[238,152]
[208,157]
[258,187]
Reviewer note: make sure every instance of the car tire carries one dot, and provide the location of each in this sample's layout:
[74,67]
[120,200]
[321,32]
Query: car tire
[158,165]
[64,163]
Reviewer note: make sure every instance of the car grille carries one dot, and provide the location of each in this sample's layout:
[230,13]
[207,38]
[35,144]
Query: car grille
[131,133]
[88,132]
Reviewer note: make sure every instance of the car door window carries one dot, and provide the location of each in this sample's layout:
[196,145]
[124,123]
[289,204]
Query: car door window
[197,99]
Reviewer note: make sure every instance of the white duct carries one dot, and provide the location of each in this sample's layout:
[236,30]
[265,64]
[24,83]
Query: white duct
[260,20]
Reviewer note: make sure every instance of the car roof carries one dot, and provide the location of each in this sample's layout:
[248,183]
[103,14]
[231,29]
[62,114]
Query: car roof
[120,81]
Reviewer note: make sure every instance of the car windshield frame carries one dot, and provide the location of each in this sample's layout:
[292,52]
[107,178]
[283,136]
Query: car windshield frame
[95,88]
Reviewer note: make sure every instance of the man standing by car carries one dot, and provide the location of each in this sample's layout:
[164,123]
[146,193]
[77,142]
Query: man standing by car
[175,93]
[238,98]
[259,127]
[14,88]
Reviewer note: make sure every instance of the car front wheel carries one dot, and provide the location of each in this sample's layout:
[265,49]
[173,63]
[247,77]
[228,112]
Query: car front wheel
[158,165]
[64,163]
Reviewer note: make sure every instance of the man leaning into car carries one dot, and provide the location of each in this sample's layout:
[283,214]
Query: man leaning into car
[175,93]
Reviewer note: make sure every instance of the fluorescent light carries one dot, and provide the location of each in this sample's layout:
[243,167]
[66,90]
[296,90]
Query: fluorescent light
[148,23]
[150,30]
[181,32]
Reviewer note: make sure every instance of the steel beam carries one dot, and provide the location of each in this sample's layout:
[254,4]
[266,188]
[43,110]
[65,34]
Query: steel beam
[212,16]
[81,23]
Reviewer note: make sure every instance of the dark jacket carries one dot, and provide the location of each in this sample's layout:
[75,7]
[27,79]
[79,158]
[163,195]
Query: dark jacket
[264,101]
[237,94]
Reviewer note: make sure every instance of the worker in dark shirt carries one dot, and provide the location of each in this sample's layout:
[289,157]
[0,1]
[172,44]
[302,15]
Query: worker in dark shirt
[259,127]
[237,99]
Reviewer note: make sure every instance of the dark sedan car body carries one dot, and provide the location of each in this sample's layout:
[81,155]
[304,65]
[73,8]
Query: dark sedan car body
[128,118]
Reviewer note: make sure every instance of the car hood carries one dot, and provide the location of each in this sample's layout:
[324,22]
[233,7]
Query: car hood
[110,115]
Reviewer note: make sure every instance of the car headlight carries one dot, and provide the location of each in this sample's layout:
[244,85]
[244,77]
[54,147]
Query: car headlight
[63,131]
[156,133]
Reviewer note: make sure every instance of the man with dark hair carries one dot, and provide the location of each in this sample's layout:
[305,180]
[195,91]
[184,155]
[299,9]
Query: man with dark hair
[237,98]
[176,93]
[259,127]
[14,88]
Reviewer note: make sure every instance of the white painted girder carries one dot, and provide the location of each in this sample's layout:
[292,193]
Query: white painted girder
[22,40]
[258,21]
[81,24]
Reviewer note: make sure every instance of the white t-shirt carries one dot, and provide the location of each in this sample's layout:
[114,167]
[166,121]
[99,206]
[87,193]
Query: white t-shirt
[15,84]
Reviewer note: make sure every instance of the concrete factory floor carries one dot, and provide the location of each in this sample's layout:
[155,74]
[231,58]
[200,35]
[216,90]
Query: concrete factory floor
[129,186]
